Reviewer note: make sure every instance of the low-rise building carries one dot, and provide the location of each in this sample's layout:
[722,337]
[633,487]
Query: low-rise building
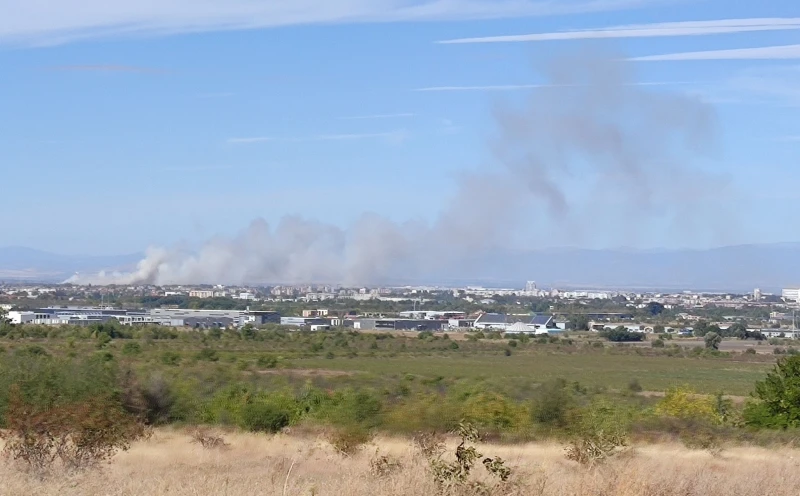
[16,317]
[491,321]
[201,294]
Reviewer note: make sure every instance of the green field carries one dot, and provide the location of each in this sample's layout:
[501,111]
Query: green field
[615,371]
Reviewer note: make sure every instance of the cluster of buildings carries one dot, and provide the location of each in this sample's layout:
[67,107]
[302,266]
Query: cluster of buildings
[315,320]
[86,316]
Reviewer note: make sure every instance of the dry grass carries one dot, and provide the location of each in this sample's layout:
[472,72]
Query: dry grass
[169,463]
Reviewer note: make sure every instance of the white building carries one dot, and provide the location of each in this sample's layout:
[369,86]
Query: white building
[201,294]
[791,294]
[21,317]
[247,296]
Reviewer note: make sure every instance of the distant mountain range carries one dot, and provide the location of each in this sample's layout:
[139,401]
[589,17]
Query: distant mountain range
[21,263]
[733,268]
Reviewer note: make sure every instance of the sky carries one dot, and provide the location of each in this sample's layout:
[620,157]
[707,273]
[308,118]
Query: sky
[130,124]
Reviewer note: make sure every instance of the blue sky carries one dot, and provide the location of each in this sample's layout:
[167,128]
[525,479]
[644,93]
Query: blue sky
[129,124]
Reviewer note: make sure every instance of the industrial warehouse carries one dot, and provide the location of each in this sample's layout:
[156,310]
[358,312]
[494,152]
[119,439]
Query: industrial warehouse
[319,320]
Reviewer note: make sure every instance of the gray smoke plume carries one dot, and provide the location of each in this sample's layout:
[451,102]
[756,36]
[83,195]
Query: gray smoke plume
[590,132]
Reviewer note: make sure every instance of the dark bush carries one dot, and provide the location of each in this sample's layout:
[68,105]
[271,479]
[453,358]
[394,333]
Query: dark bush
[267,362]
[131,349]
[170,358]
[621,334]
[208,355]
[264,416]
[634,386]
[552,404]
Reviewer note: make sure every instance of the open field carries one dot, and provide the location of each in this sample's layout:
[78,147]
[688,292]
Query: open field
[170,464]
[734,345]
[592,369]
[514,389]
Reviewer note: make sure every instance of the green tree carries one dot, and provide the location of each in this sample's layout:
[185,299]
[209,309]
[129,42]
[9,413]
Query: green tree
[249,332]
[713,340]
[700,329]
[655,308]
[779,395]
[5,323]
[737,330]
[579,322]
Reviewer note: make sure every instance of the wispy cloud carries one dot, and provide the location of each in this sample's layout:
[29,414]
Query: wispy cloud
[496,87]
[760,53]
[105,68]
[378,116]
[32,22]
[774,86]
[392,136]
[516,87]
[665,29]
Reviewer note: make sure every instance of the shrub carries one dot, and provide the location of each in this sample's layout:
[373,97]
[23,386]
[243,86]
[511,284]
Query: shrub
[170,358]
[552,404]
[750,351]
[33,350]
[267,361]
[265,416]
[208,439]
[621,334]
[495,412]
[658,343]
[158,400]
[429,444]
[455,475]
[208,355]
[80,435]
[712,340]
[383,465]
[600,432]
[683,403]
[349,440]
[131,349]
[634,386]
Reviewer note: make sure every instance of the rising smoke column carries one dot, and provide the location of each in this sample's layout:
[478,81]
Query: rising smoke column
[591,130]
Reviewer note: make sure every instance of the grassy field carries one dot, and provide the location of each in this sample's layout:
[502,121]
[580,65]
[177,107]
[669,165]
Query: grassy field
[282,465]
[614,371]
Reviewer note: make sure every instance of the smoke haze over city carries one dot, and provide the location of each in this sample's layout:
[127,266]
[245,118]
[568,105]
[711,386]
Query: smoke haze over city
[590,129]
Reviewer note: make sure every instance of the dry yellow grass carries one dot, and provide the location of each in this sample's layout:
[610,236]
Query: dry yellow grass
[171,464]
